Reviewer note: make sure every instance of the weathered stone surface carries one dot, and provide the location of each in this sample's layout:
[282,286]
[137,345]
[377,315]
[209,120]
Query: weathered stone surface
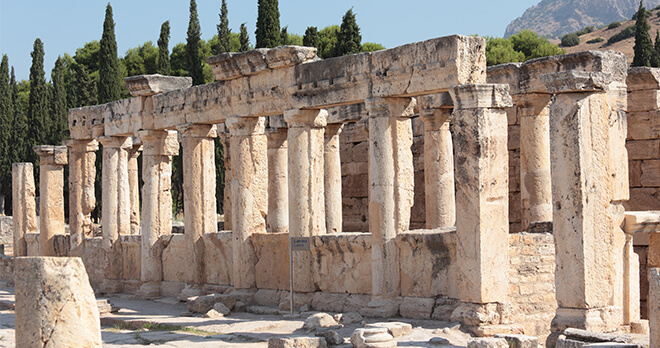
[82,195]
[51,192]
[576,81]
[654,306]
[348,318]
[477,314]
[372,338]
[147,85]
[266,297]
[487,343]
[330,302]
[643,78]
[444,307]
[272,253]
[591,336]
[343,265]
[297,342]
[520,341]
[221,308]
[332,179]
[55,305]
[277,219]
[319,320]
[24,206]
[396,329]
[417,307]
[227,66]
[331,337]
[203,304]
[611,345]
[439,341]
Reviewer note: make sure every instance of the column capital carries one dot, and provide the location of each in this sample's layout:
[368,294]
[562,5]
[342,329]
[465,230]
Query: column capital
[434,119]
[190,130]
[306,118]
[159,142]
[246,125]
[277,138]
[390,107]
[52,154]
[83,145]
[435,101]
[116,142]
[333,129]
[480,96]
[576,81]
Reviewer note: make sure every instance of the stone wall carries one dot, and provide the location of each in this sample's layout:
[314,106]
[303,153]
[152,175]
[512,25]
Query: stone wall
[6,269]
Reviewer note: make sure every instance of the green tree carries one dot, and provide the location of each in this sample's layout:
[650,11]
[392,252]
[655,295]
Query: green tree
[141,60]
[268,24]
[500,51]
[570,40]
[533,46]
[88,56]
[223,30]
[655,58]
[163,49]
[349,40]
[643,48]
[328,41]
[284,35]
[193,59]
[371,47]
[84,87]
[38,104]
[6,113]
[244,39]
[18,132]
[311,37]
[110,79]
[58,124]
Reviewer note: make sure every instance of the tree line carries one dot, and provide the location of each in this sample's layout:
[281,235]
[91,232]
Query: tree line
[34,112]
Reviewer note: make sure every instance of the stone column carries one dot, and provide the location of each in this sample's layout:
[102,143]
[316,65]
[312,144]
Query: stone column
[226,207]
[199,200]
[438,169]
[654,307]
[391,193]
[588,240]
[51,195]
[482,202]
[134,184]
[535,183]
[306,202]
[24,206]
[82,198]
[116,209]
[249,187]
[159,147]
[332,179]
[278,186]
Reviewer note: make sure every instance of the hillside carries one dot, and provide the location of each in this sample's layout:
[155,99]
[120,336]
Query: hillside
[554,18]
[625,46]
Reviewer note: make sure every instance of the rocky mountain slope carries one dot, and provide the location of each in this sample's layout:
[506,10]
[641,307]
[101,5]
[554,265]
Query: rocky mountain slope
[554,18]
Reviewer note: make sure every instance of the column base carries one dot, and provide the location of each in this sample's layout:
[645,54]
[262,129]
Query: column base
[594,319]
[382,308]
[112,286]
[149,290]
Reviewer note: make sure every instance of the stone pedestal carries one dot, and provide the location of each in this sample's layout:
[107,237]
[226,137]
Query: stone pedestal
[278,185]
[82,198]
[51,192]
[134,184]
[391,184]
[24,206]
[438,169]
[159,147]
[306,188]
[116,214]
[535,181]
[586,213]
[249,187]
[199,200]
[332,179]
[482,173]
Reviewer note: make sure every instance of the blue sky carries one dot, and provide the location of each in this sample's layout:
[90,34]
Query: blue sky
[65,25]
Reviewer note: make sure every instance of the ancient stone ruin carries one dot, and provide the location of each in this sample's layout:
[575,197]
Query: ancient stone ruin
[430,186]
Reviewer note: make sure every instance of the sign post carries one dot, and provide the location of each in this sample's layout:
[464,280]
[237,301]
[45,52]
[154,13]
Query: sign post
[295,244]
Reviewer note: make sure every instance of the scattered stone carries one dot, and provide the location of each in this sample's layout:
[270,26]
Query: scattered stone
[610,345]
[221,308]
[439,341]
[261,310]
[417,307]
[590,336]
[487,343]
[240,306]
[202,304]
[331,337]
[396,329]
[297,342]
[305,308]
[348,318]
[520,341]
[376,337]
[105,307]
[444,307]
[329,302]
[213,314]
[266,297]
[319,320]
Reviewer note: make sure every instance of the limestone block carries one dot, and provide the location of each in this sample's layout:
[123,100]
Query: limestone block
[654,306]
[175,258]
[348,318]
[643,149]
[520,341]
[203,304]
[131,257]
[487,343]
[148,85]
[643,199]
[123,117]
[356,302]
[650,176]
[331,302]
[576,81]
[482,96]
[272,255]
[299,300]
[319,320]
[342,263]
[643,78]
[477,314]
[417,307]
[297,342]
[372,338]
[6,230]
[640,101]
[24,206]
[396,329]
[444,307]
[592,336]
[331,337]
[231,65]
[213,314]
[611,345]
[51,192]
[221,308]
[643,125]
[266,297]
[55,305]
[86,122]
[218,257]
[506,74]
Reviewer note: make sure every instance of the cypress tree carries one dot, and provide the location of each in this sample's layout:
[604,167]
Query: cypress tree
[284,35]
[193,58]
[6,111]
[244,38]
[268,24]
[84,87]
[349,40]
[19,128]
[223,30]
[58,110]
[311,37]
[163,49]
[38,104]
[643,45]
[655,58]
[110,82]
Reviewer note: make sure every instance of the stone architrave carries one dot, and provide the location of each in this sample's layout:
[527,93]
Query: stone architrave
[391,188]
[24,206]
[278,186]
[438,169]
[199,200]
[159,147]
[51,192]
[586,213]
[482,173]
[332,179]
[134,184]
[535,182]
[116,214]
[55,304]
[82,198]
[249,186]
[306,188]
